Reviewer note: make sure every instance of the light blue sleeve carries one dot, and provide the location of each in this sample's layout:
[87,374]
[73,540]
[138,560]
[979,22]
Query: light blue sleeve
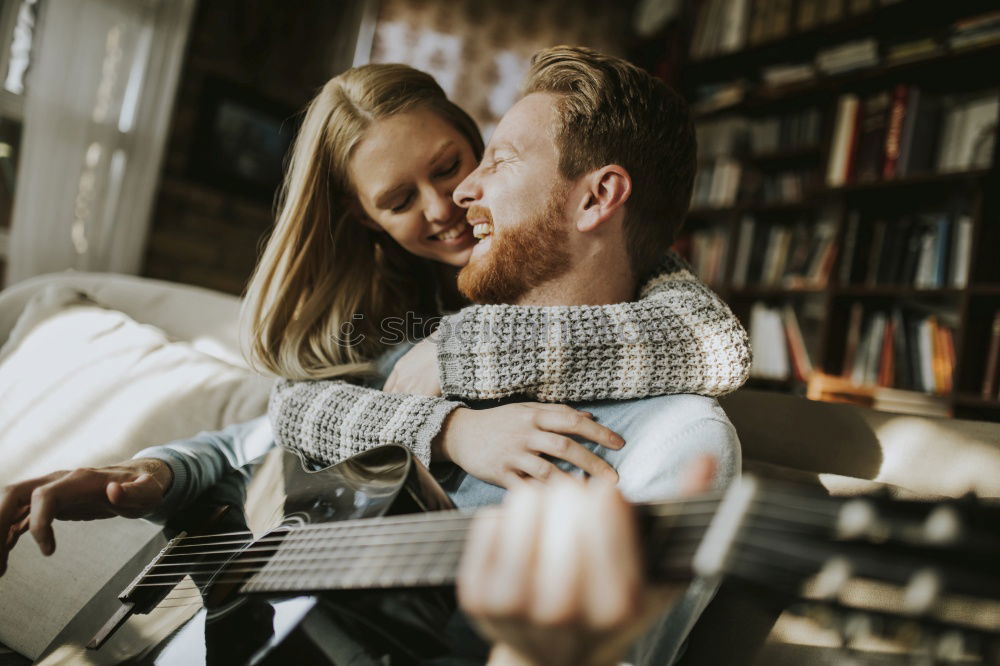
[199,462]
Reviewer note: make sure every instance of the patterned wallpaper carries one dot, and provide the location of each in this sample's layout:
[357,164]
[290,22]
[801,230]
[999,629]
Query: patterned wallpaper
[478,50]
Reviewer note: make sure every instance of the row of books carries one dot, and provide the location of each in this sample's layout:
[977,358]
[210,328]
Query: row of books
[726,26]
[926,251]
[782,187]
[784,341]
[975,31]
[790,256]
[738,136]
[785,133]
[716,183]
[900,349]
[706,250]
[893,134]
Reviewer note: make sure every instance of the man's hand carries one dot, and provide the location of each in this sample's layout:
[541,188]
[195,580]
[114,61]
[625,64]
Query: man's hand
[416,372]
[555,577]
[505,444]
[132,489]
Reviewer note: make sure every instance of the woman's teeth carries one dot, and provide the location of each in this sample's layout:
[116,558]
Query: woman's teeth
[482,230]
[449,234]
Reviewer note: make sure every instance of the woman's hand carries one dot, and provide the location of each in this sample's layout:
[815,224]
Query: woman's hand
[555,576]
[132,489]
[416,372]
[504,444]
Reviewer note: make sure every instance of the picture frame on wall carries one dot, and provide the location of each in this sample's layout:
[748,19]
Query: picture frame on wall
[241,140]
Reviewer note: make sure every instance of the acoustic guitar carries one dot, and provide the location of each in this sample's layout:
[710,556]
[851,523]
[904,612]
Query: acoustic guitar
[355,564]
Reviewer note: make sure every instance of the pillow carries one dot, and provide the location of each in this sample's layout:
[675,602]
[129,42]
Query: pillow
[84,385]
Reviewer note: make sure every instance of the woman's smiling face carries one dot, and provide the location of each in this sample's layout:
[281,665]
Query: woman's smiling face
[404,171]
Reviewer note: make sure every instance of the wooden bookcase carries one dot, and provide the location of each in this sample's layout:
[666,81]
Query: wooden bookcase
[972,69]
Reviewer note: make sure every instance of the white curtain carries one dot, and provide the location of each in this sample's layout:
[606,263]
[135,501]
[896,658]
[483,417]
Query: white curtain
[97,114]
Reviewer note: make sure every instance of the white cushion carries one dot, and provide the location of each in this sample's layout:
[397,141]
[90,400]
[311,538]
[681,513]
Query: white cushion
[84,385]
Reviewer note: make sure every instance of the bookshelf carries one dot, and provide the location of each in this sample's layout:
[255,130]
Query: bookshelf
[863,265]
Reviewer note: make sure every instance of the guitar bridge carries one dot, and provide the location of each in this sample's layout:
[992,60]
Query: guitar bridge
[139,600]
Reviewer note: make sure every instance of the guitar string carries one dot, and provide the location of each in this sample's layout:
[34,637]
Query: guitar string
[390,538]
[377,561]
[372,523]
[289,540]
[422,519]
[676,541]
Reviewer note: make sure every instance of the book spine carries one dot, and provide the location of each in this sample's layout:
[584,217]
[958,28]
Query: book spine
[992,360]
[897,115]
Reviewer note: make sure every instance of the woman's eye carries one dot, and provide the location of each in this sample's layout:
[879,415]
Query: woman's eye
[403,205]
[450,171]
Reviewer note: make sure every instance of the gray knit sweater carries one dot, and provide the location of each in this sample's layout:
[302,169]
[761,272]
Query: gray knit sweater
[678,338]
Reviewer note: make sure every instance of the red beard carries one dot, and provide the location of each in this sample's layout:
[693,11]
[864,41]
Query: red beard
[521,257]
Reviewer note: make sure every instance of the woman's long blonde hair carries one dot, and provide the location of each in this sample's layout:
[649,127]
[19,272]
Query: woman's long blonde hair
[325,282]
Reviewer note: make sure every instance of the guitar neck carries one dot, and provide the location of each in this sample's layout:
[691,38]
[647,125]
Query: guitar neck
[423,550]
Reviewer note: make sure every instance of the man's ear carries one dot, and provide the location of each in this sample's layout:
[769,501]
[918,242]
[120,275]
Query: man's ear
[607,190]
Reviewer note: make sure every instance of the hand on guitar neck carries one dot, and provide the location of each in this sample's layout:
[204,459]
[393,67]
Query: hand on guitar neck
[132,489]
[555,575]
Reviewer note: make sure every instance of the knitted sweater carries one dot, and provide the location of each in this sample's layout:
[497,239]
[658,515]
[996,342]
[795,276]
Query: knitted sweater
[679,337]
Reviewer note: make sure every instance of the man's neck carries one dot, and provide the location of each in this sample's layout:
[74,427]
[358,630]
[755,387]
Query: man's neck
[600,281]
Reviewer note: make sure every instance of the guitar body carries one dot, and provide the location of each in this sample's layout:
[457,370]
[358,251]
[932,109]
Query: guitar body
[355,627]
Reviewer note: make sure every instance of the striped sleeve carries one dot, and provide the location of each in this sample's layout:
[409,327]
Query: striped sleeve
[329,421]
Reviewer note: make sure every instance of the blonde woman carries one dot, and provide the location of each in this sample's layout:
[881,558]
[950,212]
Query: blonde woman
[365,250]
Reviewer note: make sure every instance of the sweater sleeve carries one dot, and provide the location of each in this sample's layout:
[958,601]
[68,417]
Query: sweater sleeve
[679,337]
[329,421]
[199,462]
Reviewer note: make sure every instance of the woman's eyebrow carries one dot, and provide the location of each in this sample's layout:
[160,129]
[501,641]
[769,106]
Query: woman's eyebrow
[441,151]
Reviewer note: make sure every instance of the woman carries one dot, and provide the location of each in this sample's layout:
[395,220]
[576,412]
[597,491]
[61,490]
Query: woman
[366,232]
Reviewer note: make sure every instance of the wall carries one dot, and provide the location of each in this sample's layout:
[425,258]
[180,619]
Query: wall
[208,235]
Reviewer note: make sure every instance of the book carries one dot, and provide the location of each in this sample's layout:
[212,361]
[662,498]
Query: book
[989,389]
[844,137]
[767,340]
[918,143]
[800,362]
[871,140]
[846,275]
[875,253]
[744,245]
[853,339]
[894,131]
[961,249]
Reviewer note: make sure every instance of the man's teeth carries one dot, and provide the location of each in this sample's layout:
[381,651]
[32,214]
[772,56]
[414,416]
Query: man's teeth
[482,230]
[454,232]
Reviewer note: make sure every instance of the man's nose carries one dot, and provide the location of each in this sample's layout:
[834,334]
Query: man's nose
[469,190]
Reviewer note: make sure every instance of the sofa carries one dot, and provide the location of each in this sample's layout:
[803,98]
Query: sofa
[94,367]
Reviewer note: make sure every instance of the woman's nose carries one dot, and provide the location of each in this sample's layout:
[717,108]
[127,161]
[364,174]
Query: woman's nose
[440,207]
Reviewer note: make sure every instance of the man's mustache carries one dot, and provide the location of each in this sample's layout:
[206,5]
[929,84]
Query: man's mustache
[476,214]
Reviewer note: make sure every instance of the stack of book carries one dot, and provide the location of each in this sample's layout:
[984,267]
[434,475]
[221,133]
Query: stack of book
[848,57]
[782,347]
[724,137]
[785,133]
[975,31]
[791,256]
[926,251]
[715,96]
[899,349]
[706,250]
[775,76]
[829,388]
[895,134]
